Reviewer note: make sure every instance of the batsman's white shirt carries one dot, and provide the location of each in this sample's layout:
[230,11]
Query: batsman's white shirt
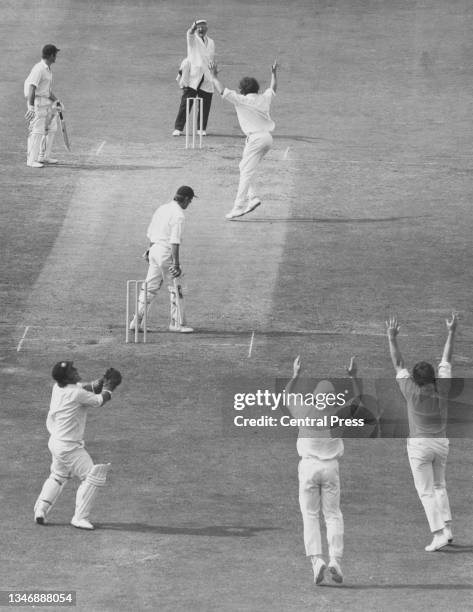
[166,226]
[252,110]
[68,412]
[41,77]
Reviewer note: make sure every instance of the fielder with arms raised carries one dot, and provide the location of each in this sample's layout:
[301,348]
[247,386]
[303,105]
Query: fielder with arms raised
[66,420]
[319,481]
[427,445]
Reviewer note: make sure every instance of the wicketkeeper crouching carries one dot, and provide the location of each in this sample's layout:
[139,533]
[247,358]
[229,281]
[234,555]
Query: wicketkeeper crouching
[66,424]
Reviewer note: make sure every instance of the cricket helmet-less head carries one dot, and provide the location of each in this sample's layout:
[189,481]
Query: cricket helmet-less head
[248,85]
[185,192]
[423,374]
[49,50]
[62,372]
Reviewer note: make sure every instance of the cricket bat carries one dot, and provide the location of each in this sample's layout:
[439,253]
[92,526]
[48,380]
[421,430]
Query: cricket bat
[65,135]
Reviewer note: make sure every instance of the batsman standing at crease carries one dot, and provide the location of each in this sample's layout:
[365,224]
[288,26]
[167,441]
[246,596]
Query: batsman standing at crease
[252,109]
[196,79]
[165,235]
[66,420]
[42,111]
[427,446]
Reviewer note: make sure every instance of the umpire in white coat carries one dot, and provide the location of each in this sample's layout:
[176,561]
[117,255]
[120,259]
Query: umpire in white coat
[200,52]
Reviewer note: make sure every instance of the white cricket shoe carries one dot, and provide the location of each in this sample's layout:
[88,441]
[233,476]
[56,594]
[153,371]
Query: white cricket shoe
[447,532]
[201,132]
[254,203]
[183,329]
[235,212]
[239,212]
[50,160]
[40,513]
[439,541]
[336,571]
[177,133]
[319,566]
[133,323]
[34,165]
[81,523]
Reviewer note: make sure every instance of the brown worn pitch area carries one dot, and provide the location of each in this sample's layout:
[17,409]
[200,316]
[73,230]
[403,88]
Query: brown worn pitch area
[367,211]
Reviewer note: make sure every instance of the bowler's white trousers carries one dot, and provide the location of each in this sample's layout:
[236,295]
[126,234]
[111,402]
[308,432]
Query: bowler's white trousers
[319,485]
[428,460]
[257,145]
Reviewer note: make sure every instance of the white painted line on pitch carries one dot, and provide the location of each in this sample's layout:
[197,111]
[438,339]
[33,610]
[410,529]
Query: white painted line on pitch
[18,348]
[286,153]
[99,150]
[251,344]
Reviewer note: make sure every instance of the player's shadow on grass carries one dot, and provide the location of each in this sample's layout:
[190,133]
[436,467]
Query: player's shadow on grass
[453,549]
[297,137]
[220,531]
[239,136]
[300,138]
[115,167]
[324,219]
[412,587]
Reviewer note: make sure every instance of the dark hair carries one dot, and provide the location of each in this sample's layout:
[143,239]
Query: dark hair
[49,51]
[61,372]
[423,374]
[248,85]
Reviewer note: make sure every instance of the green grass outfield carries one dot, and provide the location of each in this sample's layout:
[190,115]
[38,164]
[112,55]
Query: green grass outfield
[366,211]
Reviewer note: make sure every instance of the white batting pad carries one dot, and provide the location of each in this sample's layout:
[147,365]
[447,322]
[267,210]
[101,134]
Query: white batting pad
[88,490]
[50,492]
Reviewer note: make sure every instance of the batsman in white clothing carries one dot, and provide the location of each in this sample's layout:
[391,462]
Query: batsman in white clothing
[42,110]
[426,396]
[66,421]
[319,481]
[163,255]
[252,109]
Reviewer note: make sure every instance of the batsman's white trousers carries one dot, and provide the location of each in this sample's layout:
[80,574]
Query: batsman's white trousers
[158,272]
[42,129]
[428,460]
[319,485]
[69,460]
[257,145]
